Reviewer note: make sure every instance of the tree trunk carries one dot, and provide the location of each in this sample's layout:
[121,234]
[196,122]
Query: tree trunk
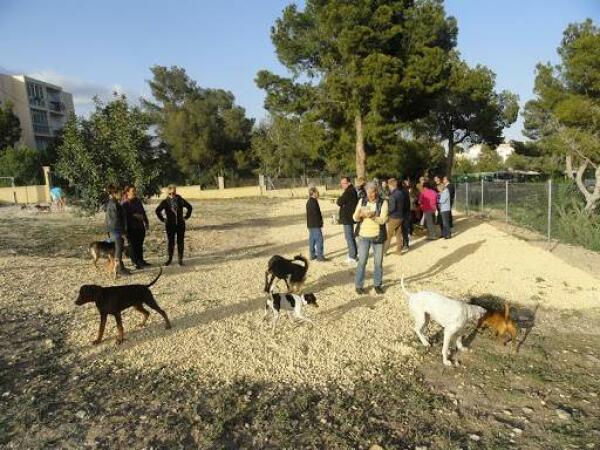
[450,157]
[361,156]
[591,198]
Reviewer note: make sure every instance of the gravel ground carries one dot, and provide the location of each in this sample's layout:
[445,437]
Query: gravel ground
[216,304]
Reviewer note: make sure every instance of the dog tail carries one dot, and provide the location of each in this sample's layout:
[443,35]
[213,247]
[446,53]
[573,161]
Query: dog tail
[402,285]
[302,259]
[156,279]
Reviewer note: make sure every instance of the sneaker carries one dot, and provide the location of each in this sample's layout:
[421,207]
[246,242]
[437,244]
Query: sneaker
[146,264]
[167,262]
[361,291]
[181,262]
[379,290]
[322,259]
[404,249]
[123,272]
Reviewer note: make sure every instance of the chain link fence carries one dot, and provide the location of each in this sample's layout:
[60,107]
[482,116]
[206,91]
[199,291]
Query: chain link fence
[552,209]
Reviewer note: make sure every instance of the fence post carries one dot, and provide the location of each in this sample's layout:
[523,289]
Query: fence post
[506,202]
[467,198]
[481,208]
[549,209]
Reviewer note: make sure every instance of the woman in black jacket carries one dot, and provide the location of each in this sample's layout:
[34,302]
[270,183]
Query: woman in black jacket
[347,203]
[314,223]
[173,216]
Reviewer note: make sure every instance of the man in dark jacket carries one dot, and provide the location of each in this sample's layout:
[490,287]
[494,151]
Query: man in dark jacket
[173,207]
[406,221]
[314,223]
[116,225]
[396,214]
[452,190]
[347,203]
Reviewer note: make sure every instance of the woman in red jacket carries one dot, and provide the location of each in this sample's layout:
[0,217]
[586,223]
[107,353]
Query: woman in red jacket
[428,204]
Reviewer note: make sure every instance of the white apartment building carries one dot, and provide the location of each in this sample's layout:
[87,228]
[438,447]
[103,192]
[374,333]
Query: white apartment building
[472,153]
[42,108]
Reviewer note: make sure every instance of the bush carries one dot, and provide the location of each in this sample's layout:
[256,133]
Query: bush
[576,227]
[23,164]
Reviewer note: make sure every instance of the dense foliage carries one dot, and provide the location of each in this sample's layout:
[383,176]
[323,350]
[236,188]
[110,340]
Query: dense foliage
[203,130]
[564,118]
[112,146]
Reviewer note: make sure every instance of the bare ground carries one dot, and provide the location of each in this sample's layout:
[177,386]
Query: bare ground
[221,379]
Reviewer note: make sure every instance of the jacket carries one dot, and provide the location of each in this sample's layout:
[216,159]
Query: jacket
[314,219]
[115,218]
[174,218]
[347,203]
[372,227]
[452,190]
[444,201]
[132,208]
[397,204]
[428,200]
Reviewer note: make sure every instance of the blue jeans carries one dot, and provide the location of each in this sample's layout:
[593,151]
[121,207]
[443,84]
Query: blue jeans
[117,238]
[364,244]
[315,243]
[350,240]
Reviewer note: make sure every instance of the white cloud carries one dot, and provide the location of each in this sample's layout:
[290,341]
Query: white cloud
[83,91]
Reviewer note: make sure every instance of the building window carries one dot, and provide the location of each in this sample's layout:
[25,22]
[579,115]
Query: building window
[42,143]
[40,121]
[36,94]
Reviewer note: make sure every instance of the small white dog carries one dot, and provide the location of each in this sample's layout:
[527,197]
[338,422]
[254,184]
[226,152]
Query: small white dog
[291,303]
[454,316]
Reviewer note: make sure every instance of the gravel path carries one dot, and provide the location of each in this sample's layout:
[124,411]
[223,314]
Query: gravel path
[216,304]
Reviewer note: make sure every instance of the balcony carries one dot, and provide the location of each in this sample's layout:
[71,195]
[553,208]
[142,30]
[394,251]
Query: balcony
[38,102]
[41,129]
[56,106]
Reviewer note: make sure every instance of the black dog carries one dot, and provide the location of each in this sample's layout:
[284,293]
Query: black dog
[287,270]
[114,299]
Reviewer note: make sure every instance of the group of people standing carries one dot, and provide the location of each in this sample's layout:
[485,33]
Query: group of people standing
[125,217]
[372,214]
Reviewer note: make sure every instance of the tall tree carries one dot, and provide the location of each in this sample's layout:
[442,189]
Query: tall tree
[21,163]
[203,129]
[10,126]
[469,109]
[287,146]
[360,65]
[112,146]
[564,118]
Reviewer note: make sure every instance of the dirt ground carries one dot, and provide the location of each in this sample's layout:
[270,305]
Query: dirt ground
[358,378]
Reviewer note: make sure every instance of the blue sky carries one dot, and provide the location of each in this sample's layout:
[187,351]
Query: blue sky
[99,46]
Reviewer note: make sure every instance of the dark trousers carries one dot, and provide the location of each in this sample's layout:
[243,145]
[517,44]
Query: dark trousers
[406,230]
[172,231]
[136,245]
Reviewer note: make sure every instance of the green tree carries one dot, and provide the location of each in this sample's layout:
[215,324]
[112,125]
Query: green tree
[564,118]
[202,129]
[469,109]
[113,146]
[359,66]
[287,146]
[21,163]
[10,126]
[489,160]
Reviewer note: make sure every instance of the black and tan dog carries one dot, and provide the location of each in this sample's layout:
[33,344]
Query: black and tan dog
[287,270]
[106,249]
[114,299]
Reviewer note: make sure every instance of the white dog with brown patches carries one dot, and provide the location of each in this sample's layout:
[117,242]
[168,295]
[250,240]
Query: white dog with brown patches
[456,317]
